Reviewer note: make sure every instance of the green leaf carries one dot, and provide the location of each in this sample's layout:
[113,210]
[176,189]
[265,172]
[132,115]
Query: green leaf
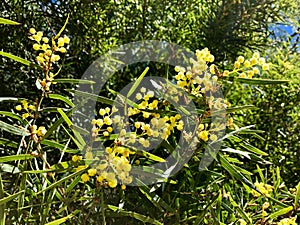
[78,144]
[14,130]
[243,153]
[18,59]
[9,198]
[233,109]
[63,166]
[233,172]
[15,157]
[260,174]
[2,208]
[73,81]
[201,216]
[60,221]
[148,155]
[62,29]
[59,146]
[234,132]
[58,123]
[9,22]
[11,115]
[154,198]
[73,184]
[8,99]
[61,181]
[138,216]
[124,99]
[252,149]
[277,201]
[65,117]
[9,168]
[240,210]
[281,212]
[137,82]
[94,97]
[260,81]
[297,197]
[62,98]
[9,143]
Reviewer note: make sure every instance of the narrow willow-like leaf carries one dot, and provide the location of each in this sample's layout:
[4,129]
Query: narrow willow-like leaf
[138,216]
[76,133]
[18,59]
[148,155]
[8,99]
[11,115]
[201,216]
[260,81]
[137,83]
[124,100]
[73,81]
[277,201]
[59,146]
[62,29]
[73,184]
[234,173]
[15,157]
[297,197]
[233,109]
[94,97]
[2,208]
[260,174]
[78,144]
[80,130]
[62,98]
[55,184]
[281,212]
[7,21]
[9,168]
[154,198]
[8,143]
[9,198]
[58,123]
[243,171]
[13,130]
[234,132]
[60,221]
[277,181]
[243,153]
[253,149]
[63,166]
[242,213]
[65,117]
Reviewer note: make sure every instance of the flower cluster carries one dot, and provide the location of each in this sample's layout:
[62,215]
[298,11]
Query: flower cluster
[131,132]
[48,54]
[196,79]
[201,81]
[159,125]
[288,221]
[247,68]
[37,133]
[29,108]
[263,188]
[103,124]
[113,166]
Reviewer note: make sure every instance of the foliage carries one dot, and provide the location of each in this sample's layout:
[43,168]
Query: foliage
[47,166]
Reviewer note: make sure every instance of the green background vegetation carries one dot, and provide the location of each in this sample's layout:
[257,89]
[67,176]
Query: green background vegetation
[229,29]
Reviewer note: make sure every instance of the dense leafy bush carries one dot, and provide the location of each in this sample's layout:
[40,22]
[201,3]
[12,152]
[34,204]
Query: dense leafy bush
[51,169]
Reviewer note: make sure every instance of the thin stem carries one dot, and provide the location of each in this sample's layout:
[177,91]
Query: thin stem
[102,206]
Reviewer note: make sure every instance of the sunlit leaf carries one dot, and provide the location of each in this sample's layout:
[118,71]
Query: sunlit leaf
[7,21]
